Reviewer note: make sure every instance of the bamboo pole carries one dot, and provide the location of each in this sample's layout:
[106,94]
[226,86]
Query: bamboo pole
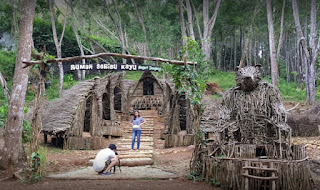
[76,58]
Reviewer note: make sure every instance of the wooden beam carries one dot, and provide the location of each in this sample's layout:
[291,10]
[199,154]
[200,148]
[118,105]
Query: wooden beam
[125,56]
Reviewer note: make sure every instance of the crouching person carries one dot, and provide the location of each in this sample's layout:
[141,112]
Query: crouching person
[105,160]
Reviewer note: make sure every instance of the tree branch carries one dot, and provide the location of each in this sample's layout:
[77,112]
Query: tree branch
[125,56]
[4,85]
[197,20]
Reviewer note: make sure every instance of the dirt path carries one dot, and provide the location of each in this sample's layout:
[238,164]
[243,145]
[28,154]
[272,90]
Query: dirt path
[176,184]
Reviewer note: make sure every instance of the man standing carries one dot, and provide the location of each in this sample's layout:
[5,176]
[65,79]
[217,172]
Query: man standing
[99,163]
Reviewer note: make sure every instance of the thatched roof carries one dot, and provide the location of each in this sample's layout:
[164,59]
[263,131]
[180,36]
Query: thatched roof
[59,114]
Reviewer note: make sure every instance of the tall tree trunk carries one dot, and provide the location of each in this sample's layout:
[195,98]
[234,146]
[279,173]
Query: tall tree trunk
[141,20]
[309,54]
[118,27]
[274,63]
[234,48]
[81,74]
[182,23]
[58,43]
[208,27]
[15,28]
[281,29]
[315,51]
[13,141]
[190,20]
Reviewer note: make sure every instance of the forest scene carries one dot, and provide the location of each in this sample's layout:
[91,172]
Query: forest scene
[227,92]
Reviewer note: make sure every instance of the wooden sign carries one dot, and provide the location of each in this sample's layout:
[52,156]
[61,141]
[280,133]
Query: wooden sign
[108,66]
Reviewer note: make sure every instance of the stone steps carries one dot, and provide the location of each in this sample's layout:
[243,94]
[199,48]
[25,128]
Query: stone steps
[145,154]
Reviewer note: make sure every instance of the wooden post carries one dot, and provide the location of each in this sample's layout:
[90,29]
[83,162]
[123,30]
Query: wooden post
[45,137]
[109,137]
[273,182]
[246,172]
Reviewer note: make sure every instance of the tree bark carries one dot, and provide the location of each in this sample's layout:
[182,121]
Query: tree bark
[13,132]
[190,20]
[81,75]
[274,63]
[308,54]
[141,20]
[281,30]
[118,27]
[182,22]
[208,27]
[234,48]
[125,56]
[58,43]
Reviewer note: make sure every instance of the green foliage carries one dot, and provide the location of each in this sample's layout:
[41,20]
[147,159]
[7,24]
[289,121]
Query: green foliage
[188,79]
[5,17]
[42,36]
[37,163]
[27,128]
[214,182]
[225,80]
[110,44]
[26,132]
[7,62]
[52,92]
[133,75]
[195,176]
[289,91]
[3,115]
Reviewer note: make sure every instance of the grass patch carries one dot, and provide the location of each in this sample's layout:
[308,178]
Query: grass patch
[133,75]
[224,79]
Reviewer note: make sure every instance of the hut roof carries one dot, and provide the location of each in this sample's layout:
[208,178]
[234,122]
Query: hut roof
[59,114]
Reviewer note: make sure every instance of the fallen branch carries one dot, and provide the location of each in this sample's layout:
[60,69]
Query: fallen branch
[293,107]
[71,59]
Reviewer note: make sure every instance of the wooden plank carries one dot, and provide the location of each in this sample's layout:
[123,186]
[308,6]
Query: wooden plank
[258,177]
[259,160]
[257,168]
[125,56]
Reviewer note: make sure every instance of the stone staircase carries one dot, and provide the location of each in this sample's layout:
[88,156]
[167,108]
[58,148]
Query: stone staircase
[144,156]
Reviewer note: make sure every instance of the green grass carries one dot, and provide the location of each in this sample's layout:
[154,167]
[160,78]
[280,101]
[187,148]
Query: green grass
[288,91]
[225,80]
[133,75]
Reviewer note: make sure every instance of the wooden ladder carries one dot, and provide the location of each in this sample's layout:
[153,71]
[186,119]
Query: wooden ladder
[270,167]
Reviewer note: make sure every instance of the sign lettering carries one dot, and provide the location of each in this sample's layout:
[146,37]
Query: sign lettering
[108,66]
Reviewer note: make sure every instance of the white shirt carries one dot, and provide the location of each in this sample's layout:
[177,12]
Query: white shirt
[101,158]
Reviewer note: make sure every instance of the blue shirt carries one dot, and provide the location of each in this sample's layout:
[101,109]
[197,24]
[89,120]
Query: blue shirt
[137,121]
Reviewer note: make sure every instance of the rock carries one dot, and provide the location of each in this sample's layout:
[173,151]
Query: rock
[90,162]
[191,147]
